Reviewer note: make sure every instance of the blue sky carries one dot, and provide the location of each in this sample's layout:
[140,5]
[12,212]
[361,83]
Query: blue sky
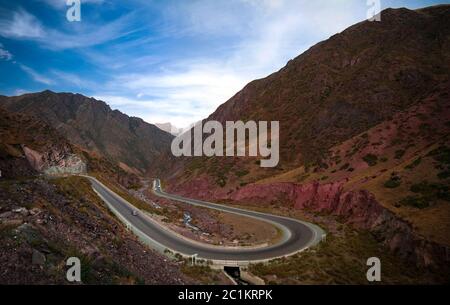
[162,60]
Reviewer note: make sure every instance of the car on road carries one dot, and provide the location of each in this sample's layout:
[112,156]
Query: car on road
[134,213]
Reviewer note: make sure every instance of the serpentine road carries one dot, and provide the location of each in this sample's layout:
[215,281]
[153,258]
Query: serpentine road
[296,235]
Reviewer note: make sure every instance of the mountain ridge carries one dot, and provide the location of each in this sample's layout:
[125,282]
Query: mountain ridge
[93,125]
[341,87]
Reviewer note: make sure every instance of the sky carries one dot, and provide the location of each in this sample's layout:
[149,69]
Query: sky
[163,60]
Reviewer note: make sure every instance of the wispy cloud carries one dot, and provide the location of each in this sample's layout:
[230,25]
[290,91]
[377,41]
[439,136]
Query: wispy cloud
[20,91]
[36,76]
[154,110]
[182,93]
[5,54]
[170,60]
[266,34]
[23,25]
[73,79]
[60,4]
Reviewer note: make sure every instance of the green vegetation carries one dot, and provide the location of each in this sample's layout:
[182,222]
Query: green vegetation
[444,174]
[73,187]
[414,164]
[399,153]
[393,182]
[415,201]
[441,154]
[370,159]
[432,191]
[195,164]
[242,173]
[426,194]
[345,166]
[397,141]
[341,259]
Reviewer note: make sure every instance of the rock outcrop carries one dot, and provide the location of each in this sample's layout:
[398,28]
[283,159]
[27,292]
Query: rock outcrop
[358,208]
[55,162]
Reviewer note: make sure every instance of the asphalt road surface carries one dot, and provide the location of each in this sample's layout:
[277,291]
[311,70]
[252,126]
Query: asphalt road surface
[296,235]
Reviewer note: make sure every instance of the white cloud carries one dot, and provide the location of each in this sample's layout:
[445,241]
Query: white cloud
[5,54]
[73,79]
[60,4]
[22,25]
[255,38]
[36,76]
[266,34]
[20,92]
[153,110]
[181,94]
[26,26]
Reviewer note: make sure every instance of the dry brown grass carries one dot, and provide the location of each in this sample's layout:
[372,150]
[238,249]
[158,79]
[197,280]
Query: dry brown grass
[250,231]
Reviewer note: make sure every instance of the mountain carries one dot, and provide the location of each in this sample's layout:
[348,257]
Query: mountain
[336,90]
[91,124]
[30,147]
[44,221]
[364,136]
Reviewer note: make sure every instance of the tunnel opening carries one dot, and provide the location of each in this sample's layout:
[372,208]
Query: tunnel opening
[235,273]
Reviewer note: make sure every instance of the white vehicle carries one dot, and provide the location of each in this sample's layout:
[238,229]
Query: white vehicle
[134,213]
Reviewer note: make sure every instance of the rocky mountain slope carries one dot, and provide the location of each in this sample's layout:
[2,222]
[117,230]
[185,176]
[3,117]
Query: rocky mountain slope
[339,88]
[92,125]
[364,135]
[48,215]
[29,146]
[44,222]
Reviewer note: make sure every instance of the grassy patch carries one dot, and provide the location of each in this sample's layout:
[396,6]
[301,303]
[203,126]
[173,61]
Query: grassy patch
[426,194]
[242,173]
[432,191]
[441,154]
[393,182]
[413,164]
[444,174]
[415,202]
[204,274]
[370,159]
[399,153]
[338,260]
